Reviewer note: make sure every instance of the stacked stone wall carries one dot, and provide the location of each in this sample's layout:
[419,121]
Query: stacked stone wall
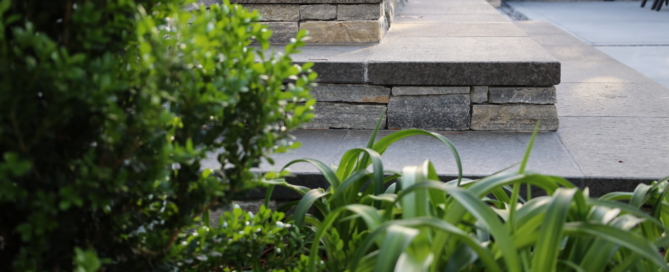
[328,21]
[441,108]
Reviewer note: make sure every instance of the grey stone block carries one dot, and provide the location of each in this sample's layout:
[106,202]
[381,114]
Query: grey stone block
[318,12]
[434,112]
[276,13]
[427,90]
[341,115]
[306,1]
[525,95]
[514,117]
[358,12]
[479,94]
[282,32]
[344,32]
[351,93]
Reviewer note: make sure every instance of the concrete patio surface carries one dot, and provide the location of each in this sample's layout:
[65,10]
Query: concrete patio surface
[614,128]
[635,36]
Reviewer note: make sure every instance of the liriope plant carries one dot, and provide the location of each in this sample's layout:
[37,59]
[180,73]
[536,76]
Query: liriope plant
[410,221]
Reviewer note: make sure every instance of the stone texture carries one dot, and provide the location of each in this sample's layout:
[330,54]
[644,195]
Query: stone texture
[427,90]
[276,13]
[458,61]
[482,152]
[318,12]
[618,147]
[463,73]
[351,93]
[434,112]
[305,1]
[638,99]
[479,94]
[341,115]
[443,29]
[335,63]
[514,117]
[358,12]
[339,72]
[524,95]
[343,32]
[282,32]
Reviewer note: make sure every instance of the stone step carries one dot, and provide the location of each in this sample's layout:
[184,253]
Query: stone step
[432,48]
[503,76]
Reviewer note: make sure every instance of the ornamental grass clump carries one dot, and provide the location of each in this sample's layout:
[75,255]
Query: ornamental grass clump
[108,108]
[377,220]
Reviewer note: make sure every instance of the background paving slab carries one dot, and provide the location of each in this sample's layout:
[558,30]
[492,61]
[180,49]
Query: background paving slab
[635,36]
[607,99]
[455,30]
[599,71]
[451,18]
[618,146]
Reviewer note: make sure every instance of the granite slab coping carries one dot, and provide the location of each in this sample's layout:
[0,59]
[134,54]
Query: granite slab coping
[432,49]
[481,50]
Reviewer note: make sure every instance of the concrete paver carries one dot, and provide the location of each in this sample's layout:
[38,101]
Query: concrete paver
[637,37]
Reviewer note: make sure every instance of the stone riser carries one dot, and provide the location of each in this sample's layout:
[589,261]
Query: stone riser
[351,106]
[327,21]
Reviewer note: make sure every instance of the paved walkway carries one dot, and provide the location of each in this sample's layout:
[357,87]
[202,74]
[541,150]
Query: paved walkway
[637,37]
[614,128]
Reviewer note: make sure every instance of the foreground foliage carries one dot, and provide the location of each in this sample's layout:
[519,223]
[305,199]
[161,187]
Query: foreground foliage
[108,107]
[410,221]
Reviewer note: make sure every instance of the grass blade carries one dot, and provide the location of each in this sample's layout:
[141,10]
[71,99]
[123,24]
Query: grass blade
[383,144]
[621,237]
[545,253]
[305,203]
[396,241]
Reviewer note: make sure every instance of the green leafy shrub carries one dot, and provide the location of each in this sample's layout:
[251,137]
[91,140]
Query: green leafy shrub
[243,241]
[411,221]
[108,107]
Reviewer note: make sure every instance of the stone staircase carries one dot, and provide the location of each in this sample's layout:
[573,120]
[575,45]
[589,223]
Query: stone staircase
[441,65]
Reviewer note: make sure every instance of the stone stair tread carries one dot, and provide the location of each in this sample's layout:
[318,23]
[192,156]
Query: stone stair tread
[436,52]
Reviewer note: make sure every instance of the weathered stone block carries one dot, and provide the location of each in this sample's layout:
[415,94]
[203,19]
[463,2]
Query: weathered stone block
[514,117]
[318,12]
[435,112]
[427,90]
[351,93]
[526,95]
[479,94]
[343,32]
[282,32]
[276,13]
[341,115]
[359,12]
